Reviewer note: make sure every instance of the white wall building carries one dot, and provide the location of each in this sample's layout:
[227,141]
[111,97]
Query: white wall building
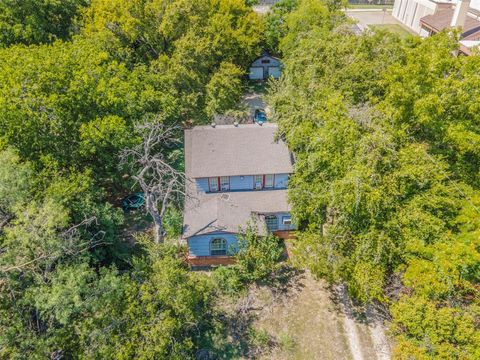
[409,12]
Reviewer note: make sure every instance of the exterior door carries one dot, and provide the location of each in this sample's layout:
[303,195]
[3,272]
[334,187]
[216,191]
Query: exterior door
[274,71]
[256,73]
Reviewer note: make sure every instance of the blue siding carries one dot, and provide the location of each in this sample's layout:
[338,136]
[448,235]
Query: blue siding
[244,182]
[237,183]
[273,61]
[281,181]
[202,184]
[200,245]
[280,221]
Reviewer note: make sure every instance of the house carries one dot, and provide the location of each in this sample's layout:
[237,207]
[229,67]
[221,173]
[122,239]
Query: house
[237,173]
[461,16]
[409,12]
[264,67]
[427,17]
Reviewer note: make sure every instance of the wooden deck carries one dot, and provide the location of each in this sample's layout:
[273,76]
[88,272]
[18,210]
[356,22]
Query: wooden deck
[210,260]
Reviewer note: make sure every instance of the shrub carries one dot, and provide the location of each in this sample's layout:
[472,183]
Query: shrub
[258,256]
[172,222]
[228,279]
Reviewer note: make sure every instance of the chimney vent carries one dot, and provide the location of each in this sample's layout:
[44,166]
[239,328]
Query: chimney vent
[460,14]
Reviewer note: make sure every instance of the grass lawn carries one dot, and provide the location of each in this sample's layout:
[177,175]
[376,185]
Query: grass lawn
[394,28]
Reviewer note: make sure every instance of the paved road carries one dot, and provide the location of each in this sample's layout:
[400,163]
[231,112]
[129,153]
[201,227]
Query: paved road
[254,101]
[366,18]
[261,9]
[373,17]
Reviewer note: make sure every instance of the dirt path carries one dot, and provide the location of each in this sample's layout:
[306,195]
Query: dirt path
[349,324]
[377,332]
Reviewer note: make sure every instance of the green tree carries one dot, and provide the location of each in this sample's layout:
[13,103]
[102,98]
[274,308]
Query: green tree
[37,21]
[386,172]
[258,256]
[275,25]
[224,90]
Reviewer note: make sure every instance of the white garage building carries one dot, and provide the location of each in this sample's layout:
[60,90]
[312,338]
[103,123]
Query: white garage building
[264,67]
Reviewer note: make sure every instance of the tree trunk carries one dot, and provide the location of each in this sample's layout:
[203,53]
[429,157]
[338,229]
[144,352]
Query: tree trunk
[157,219]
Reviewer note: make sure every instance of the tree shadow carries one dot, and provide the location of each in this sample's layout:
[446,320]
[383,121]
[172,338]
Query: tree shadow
[234,335]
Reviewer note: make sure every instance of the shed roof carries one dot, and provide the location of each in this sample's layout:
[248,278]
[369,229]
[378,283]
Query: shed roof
[229,212]
[229,150]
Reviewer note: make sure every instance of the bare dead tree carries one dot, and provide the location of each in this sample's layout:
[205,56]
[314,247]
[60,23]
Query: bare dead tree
[157,178]
[71,244]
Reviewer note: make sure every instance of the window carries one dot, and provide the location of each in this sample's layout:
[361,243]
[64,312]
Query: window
[258,182]
[221,183]
[213,184]
[269,181]
[218,246]
[266,61]
[272,222]
[224,183]
[287,222]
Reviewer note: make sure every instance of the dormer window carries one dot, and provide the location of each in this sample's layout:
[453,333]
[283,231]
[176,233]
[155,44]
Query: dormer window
[272,223]
[219,183]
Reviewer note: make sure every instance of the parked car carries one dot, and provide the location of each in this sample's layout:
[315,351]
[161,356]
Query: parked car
[133,201]
[260,116]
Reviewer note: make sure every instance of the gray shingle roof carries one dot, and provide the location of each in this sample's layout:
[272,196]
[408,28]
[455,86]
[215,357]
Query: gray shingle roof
[205,213]
[228,150]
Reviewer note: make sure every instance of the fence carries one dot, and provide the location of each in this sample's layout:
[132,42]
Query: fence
[371,2]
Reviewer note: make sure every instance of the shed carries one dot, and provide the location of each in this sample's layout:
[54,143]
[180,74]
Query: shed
[264,67]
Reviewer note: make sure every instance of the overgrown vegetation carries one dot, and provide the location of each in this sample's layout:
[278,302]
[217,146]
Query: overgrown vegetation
[257,261]
[73,282]
[38,21]
[386,186]
[386,136]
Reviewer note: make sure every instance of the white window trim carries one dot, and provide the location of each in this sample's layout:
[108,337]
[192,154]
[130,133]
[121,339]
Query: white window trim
[227,185]
[215,181]
[223,241]
[271,217]
[287,222]
[255,182]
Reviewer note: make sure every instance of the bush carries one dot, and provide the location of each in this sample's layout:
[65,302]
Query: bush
[257,259]
[228,280]
[172,222]
[258,256]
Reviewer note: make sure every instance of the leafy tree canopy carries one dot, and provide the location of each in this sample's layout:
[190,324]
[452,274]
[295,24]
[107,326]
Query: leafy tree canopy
[385,178]
[73,282]
[37,21]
